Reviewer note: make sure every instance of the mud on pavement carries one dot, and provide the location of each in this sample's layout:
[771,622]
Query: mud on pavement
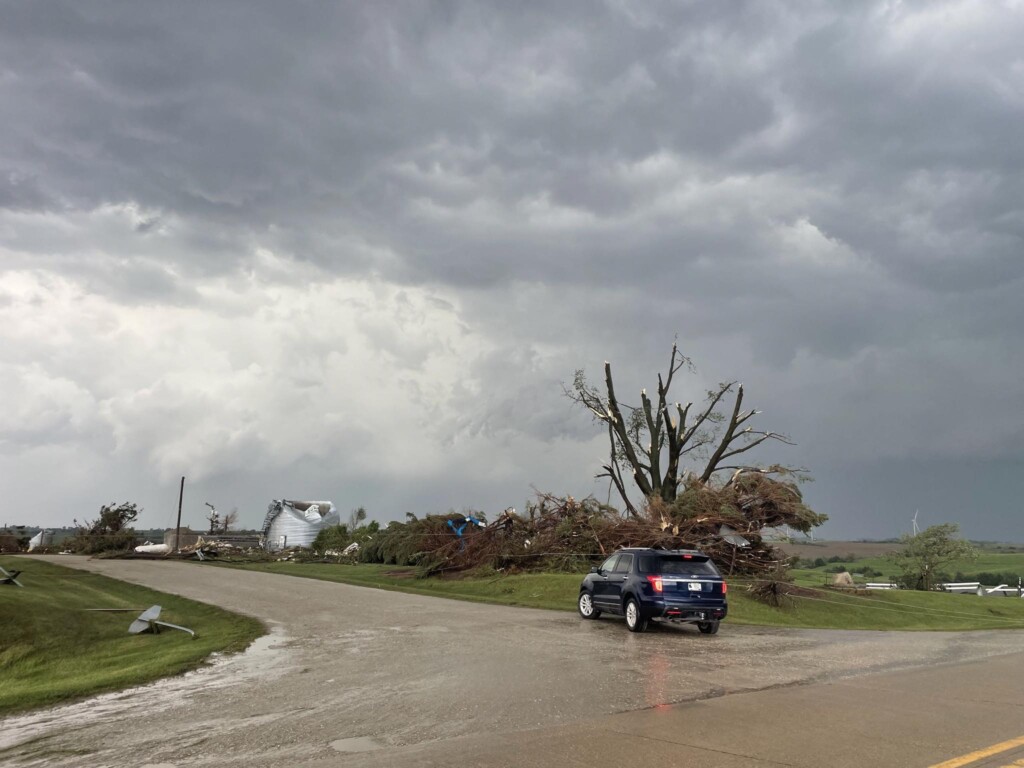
[348,669]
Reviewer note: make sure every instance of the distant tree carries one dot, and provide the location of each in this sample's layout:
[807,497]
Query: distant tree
[333,539]
[923,557]
[214,519]
[9,542]
[229,520]
[356,518]
[221,523]
[110,531]
[336,538]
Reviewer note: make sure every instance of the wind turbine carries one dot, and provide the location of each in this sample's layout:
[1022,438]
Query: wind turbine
[914,521]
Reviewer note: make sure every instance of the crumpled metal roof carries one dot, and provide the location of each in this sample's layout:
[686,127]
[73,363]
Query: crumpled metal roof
[277,506]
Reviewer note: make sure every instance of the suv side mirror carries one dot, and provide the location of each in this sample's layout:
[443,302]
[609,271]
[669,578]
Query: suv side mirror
[595,569]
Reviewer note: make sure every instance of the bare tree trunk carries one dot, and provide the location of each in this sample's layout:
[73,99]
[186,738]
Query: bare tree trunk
[654,474]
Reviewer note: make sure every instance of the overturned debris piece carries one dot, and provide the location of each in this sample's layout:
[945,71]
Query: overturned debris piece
[732,536]
[147,622]
[10,577]
[153,549]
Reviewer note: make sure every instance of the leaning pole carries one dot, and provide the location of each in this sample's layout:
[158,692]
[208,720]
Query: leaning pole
[177,530]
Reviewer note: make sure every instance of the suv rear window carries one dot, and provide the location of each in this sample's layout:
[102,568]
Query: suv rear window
[677,565]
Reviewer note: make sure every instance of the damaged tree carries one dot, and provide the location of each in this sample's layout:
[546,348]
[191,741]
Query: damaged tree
[111,530]
[677,455]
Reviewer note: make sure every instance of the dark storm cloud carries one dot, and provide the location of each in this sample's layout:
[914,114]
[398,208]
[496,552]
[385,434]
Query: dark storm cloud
[298,118]
[821,199]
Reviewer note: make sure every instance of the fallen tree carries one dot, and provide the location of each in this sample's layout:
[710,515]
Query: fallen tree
[563,533]
[684,462]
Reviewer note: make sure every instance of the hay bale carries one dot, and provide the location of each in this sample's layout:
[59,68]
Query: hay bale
[843,579]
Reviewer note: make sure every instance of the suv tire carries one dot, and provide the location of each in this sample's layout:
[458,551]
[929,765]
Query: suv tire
[635,622]
[585,605]
[708,627]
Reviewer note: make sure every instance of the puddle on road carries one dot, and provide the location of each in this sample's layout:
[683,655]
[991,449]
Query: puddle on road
[267,658]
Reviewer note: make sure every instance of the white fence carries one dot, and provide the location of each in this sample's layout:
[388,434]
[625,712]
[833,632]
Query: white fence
[959,587]
[1005,591]
[963,587]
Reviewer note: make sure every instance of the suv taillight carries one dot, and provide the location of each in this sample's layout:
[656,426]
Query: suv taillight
[725,588]
[656,583]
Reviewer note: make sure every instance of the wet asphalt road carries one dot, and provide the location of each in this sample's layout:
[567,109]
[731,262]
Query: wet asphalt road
[354,676]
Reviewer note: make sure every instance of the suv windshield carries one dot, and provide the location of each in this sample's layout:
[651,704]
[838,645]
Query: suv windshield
[677,565]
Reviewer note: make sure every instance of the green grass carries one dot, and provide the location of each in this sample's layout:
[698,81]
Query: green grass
[987,562]
[52,651]
[827,609]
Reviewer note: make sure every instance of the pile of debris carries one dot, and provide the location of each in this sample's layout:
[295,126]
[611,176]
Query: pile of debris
[200,547]
[568,534]
[212,548]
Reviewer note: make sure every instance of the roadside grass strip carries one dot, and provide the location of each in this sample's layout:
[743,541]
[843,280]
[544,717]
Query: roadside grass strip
[823,609]
[52,650]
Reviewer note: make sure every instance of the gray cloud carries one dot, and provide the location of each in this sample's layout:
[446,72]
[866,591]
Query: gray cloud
[370,242]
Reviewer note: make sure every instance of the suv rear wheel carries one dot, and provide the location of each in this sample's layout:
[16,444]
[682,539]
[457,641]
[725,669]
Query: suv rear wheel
[586,606]
[635,622]
[708,627]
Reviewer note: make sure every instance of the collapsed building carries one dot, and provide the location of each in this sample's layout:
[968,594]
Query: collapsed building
[296,523]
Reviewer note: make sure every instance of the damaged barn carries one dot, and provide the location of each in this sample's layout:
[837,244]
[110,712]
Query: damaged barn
[291,524]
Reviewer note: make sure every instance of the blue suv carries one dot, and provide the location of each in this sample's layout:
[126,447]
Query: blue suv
[645,584]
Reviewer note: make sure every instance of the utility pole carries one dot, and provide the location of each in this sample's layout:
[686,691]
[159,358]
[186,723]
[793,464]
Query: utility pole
[177,532]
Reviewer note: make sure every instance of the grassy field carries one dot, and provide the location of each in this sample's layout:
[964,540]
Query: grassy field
[827,549]
[814,608]
[987,562]
[51,650]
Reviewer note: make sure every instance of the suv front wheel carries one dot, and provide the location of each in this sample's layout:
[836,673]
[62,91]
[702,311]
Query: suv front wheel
[586,606]
[708,627]
[635,622]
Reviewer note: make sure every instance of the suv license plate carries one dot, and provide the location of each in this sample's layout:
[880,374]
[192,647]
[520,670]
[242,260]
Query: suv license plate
[694,586]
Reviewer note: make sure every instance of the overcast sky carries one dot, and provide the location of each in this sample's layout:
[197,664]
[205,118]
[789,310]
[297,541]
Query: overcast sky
[351,251]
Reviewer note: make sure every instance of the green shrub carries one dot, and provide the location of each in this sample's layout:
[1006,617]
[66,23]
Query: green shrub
[111,531]
[94,544]
[331,539]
